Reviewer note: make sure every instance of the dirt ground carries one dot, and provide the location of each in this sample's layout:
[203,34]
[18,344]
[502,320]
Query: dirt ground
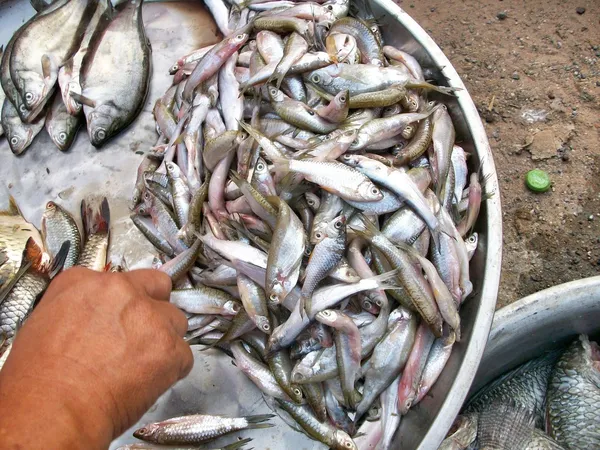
[533,70]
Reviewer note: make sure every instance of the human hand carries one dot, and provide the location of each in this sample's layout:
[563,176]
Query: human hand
[94,355]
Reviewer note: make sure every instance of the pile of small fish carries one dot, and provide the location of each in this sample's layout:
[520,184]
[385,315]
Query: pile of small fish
[311,206]
[69,61]
[559,392]
[30,259]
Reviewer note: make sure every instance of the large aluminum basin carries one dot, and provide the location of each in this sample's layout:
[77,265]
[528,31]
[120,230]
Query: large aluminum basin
[174,28]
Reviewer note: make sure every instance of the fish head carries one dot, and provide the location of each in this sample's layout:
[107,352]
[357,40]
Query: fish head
[313,201]
[173,170]
[19,136]
[369,191]
[148,432]
[231,307]
[342,99]
[277,292]
[348,136]
[367,304]
[103,122]
[318,233]
[275,94]
[323,77]
[327,317]
[360,141]
[471,244]
[62,132]
[336,227]
[262,322]
[33,88]
[301,373]
[341,441]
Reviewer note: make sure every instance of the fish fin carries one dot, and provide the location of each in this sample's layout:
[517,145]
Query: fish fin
[95,220]
[34,254]
[370,229]
[6,288]
[235,177]
[431,87]
[82,99]
[48,66]
[257,421]
[59,259]
[281,165]
[237,445]
[505,425]
[387,280]
[13,208]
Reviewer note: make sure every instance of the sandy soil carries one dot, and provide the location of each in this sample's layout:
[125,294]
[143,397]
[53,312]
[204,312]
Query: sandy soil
[533,70]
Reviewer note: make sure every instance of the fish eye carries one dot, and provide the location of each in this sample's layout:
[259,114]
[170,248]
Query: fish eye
[338,224]
[343,98]
[297,392]
[239,37]
[266,327]
[366,304]
[28,97]
[260,167]
[348,444]
[445,107]
[431,103]
[175,68]
[14,140]
[62,137]
[375,191]
[327,313]
[316,78]
[329,7]
[273,297]
[143,430]
[100,134]
[22,108]
[310,113]
[318,235]
[298,376]
[142,211]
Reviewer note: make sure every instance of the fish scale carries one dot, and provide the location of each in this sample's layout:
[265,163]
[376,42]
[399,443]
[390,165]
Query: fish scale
[572,414]
[19,302]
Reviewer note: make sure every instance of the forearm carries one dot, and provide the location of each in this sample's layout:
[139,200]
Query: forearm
[38,411]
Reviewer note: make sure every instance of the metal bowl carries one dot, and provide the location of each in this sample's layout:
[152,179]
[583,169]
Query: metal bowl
[537,323]
[426,425]
[174,28]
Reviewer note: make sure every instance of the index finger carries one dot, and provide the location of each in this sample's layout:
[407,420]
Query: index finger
[157,284]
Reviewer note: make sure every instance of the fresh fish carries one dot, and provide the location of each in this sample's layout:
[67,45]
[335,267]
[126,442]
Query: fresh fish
[388,360]
[205,300]
[198,428]
[321,431]
[348,350]
[525,386]
[573,395]
[112,103]
[141,446]
[15,231]
[285,254]
[43,46]
[96,234]
[58,226]
[324,258]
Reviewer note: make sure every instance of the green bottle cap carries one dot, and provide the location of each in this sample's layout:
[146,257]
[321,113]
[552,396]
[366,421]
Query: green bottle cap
[537,180]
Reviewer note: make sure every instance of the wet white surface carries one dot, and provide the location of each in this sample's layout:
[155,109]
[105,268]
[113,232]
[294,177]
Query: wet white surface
[44,173]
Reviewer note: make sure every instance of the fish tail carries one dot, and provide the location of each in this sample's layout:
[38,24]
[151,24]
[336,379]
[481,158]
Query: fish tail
[387,280]
[237,445]
[282,165]
[95,220]
[370,230]
[257,421]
